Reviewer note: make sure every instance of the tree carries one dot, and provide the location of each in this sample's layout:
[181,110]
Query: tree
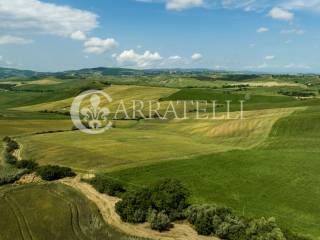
[9,158]
[27,164]
[169,196]
[104,184]
[134,206]
[53,172]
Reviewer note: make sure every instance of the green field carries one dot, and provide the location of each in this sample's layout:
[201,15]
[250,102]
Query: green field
[277,178]
[264,165]
[50,211]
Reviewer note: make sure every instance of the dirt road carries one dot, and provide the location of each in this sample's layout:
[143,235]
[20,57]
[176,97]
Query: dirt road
[106,204]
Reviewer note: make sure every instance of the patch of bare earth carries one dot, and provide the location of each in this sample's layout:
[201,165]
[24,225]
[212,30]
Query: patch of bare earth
[106,205]
[29,178]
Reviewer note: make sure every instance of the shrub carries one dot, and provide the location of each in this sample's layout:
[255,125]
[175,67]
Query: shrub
[169,196]
[232,227]
[27,164]
[103,184]
[11,146]
[9,158]
[220,221]
[52,172]
[203,225]
[159,221]
[264,229]
[9,174]
[6,139]
[134,206]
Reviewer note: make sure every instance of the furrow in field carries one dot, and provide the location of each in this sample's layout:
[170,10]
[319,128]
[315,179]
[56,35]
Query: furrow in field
[22,221]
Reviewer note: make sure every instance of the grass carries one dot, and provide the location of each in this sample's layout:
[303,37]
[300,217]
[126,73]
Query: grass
[252,100]
[278,178]
[265,165]
[117,92]
[144,142]
[52,211]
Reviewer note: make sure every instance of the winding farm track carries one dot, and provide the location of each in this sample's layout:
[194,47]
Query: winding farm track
[106,205]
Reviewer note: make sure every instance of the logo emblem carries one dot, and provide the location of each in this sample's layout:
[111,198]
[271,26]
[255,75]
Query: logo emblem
[89,113]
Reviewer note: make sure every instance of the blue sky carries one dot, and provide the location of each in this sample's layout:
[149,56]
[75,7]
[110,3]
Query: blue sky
[245,35]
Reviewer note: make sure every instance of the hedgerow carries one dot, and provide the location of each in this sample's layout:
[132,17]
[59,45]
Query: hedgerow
[167,201]
[104,184]
[53,172]
[10,146]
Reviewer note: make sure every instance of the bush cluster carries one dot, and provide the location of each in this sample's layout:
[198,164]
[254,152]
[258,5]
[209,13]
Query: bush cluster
[222,222]
[27,164]
[134,206]
[297,93]
[10,146]
[104,184]
[53,172]
[10,174]
[167,197]
[166,201]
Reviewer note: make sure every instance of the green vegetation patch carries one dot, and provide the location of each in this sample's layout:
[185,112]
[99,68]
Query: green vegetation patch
[50,211]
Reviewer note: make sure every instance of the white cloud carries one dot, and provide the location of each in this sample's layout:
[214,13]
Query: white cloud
[130,57]
[281,14]
[312,5]
[40,17]
[196,56]
[270,57]
[8,39]
[78,35]
[262,30]
[179,5]
[175,58]
[293,31]
[98,46]
[297,66]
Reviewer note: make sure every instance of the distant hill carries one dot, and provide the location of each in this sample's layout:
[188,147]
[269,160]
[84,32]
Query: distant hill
[11,72]
[105,71]
[108,71]
[102,71]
